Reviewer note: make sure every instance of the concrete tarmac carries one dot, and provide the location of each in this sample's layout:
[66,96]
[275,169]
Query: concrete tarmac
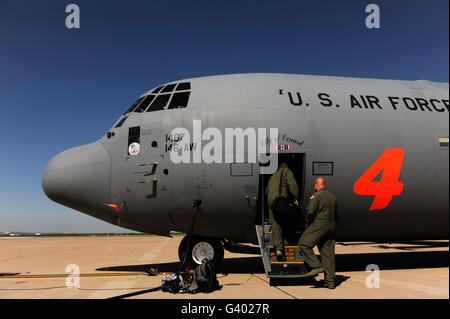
[406,270]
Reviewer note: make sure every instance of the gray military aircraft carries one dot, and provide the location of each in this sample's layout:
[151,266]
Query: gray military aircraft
[382,145]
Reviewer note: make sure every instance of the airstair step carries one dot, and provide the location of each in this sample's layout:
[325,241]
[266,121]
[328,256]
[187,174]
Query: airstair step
[292,267]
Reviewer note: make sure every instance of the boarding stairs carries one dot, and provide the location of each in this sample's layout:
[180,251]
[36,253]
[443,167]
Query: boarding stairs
[292,267]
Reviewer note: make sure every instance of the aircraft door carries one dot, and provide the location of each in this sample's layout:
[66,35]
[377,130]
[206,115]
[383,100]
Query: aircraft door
[296,163]
[233,208]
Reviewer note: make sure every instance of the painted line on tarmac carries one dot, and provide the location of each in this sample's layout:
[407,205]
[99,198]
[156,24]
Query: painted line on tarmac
[80,275]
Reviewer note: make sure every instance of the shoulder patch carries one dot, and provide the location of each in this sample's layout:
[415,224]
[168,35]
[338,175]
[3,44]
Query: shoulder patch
[311,197]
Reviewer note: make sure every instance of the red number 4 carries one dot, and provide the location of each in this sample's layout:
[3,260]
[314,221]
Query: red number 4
[391,164]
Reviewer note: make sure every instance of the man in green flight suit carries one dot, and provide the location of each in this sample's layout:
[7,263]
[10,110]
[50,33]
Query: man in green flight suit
[288,186]
[320,223]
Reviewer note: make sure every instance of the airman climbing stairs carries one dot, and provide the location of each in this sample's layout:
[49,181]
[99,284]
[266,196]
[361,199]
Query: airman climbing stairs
[292,267]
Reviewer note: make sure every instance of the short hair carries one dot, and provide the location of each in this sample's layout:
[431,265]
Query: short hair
[283,165]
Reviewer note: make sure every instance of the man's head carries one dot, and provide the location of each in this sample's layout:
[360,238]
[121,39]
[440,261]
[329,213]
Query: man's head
[284,165]
[319,183]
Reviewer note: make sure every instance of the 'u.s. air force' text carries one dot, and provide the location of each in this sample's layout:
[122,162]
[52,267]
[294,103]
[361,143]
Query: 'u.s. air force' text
[371,102]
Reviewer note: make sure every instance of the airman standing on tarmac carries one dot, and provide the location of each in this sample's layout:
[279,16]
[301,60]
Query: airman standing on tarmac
[320,223]
[288,185]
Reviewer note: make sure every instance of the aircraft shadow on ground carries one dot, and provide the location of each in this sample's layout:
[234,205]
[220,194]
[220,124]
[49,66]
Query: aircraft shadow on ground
[344,263]
[244,265]
[308,281]
[408,245]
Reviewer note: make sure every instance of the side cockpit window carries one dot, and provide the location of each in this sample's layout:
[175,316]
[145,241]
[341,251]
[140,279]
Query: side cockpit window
[183,86]
[179,100]
[168,88]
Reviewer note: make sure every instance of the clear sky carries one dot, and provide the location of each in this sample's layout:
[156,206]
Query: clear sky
[61,87]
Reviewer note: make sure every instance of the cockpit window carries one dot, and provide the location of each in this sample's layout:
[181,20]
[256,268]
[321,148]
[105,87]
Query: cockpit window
[179,100]
[121,122]
[172,96]
[158,89]
[168,88]
[183,86]
[143,106]
[159,103]
[134,105]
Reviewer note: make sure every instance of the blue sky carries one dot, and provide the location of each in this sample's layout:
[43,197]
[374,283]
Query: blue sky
[61,87]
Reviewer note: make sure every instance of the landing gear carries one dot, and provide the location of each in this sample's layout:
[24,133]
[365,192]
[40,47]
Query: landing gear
[200,248]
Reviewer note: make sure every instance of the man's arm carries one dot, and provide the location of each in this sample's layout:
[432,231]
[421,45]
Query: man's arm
[312,209]
[292,184]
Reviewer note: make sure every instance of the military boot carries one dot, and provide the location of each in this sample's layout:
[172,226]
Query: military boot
[315,271]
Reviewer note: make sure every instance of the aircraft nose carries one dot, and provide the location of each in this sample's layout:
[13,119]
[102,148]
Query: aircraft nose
[80,178]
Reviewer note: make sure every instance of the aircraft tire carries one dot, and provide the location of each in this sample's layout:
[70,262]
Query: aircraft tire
[201,247]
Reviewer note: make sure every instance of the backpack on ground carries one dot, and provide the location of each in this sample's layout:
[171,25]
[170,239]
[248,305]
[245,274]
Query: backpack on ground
[204,279]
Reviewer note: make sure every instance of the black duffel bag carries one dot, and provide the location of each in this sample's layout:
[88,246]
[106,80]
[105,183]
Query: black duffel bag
[284,210]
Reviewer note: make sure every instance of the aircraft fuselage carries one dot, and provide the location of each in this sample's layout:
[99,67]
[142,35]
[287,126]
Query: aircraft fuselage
[382,146]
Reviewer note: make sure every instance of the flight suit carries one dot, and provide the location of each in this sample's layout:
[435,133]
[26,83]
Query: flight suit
[321,218]
[288,185]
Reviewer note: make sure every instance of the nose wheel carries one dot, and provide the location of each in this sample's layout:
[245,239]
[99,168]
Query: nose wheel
[201,248]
